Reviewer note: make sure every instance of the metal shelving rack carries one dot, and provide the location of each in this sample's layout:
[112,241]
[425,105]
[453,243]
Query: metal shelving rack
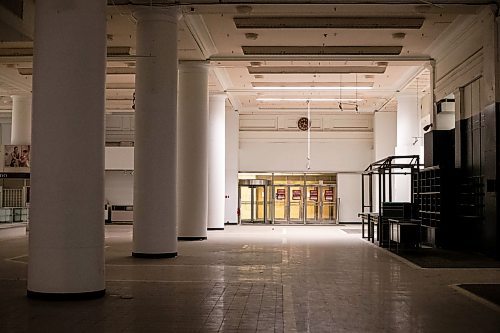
[384,170]
[430,203]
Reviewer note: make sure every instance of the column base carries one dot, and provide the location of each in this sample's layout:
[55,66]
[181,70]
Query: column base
[191,238]
[215,228]
[66,296]
[154,255]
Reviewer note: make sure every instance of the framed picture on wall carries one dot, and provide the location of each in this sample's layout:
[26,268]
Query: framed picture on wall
[17,156]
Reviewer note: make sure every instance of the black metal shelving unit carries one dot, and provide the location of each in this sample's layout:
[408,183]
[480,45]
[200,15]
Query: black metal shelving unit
[430,205]
[379,226]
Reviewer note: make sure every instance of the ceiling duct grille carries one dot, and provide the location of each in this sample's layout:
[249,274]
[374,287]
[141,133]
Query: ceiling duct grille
[328,22]
[28,51]
[109,71]
[316,70]
[309,84]
[322,50]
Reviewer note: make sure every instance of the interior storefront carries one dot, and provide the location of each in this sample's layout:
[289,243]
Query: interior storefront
[288,198]
[14,197]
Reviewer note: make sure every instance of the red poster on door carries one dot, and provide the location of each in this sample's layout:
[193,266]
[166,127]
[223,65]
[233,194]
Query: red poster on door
[296,194]
[313,195]
[280,194]
[328,195]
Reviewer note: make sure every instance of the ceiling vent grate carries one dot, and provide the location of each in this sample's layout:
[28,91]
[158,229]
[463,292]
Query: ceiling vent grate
[316,70]
[28,51]
[322,50]
[328,22]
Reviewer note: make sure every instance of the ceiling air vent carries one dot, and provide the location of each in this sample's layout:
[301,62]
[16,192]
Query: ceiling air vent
[118,50]
[315,70]
[328,22]
[322,50]
[16,52]
[109,70]
[111,51]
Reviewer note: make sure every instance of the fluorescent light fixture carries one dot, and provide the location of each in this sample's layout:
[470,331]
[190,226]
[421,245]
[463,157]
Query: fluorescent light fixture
[312,88]
[309,99]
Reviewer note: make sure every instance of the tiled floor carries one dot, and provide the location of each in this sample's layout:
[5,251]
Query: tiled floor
[255,279]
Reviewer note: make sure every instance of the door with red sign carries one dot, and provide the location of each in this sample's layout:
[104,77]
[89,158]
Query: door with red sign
[329,204]
[280,204]
[312,204]
[296,205]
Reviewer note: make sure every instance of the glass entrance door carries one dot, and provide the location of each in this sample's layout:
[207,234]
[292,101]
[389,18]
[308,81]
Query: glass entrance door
[296,202]
[313,212]
[328,204]
[252,203]
[280,204]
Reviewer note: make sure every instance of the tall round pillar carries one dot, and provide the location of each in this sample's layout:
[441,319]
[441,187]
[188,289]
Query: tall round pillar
[216,161]
[408,141]
[193,151]
[155,162]
[21,120]
[66,240]
[384,144]
[232,121]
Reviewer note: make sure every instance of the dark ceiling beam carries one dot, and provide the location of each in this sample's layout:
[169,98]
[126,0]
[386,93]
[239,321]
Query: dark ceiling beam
[297,2]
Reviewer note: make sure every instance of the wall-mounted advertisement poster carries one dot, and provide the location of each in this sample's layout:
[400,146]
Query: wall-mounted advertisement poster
[296,194]
[328,195]
[313,195]
[280,194]
[17,156]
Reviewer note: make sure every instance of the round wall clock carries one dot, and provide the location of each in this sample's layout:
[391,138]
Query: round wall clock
[303,124]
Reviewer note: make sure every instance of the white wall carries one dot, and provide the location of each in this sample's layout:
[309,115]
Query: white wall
[119,187]
[120,158]
[472,41]
[286,152]
[349,193]
[6,129]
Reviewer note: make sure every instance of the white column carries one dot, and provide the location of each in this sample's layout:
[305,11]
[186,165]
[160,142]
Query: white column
[232,165]
[155,164]
[384,134]
[192,187]
[66,241]
[216,161]
[409,141]
[21,120]
[384,145]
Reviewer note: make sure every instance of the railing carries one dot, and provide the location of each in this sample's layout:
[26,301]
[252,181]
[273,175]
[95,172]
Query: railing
[12,198]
